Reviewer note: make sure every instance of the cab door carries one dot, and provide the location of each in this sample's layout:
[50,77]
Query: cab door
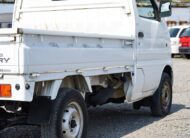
[152,44]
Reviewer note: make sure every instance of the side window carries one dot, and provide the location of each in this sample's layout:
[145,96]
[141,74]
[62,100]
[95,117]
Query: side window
[185,33]
[146,9]
[181,32]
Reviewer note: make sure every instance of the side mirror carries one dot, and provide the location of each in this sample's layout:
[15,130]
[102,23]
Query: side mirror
[165,9]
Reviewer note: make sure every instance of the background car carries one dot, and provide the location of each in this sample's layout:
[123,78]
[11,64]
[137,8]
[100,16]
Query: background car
[185,43]
[175,32]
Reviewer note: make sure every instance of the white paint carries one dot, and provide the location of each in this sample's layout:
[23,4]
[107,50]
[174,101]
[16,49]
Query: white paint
[89,38]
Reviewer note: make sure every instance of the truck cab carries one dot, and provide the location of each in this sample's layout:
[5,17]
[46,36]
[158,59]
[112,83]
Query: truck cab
[61,57]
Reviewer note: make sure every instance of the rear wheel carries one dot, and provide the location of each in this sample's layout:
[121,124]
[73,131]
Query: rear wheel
[69,116]
[187,56]
[162,99]
[136,105]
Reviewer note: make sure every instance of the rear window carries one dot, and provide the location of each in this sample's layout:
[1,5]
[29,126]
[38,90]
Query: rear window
[185,33]
[174,32]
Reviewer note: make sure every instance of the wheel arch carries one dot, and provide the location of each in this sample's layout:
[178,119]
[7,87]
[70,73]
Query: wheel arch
[78,82]
[50,88]
[168,69]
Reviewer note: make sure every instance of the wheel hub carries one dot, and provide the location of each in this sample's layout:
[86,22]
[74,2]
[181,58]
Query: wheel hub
[72,122]
[165,95]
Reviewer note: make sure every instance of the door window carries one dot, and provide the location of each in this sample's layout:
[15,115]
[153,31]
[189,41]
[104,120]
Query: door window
[146,9]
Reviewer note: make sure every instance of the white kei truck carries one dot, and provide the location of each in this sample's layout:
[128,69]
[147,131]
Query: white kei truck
[63,56]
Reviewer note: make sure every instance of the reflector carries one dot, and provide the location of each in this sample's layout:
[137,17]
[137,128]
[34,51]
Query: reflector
[5,91]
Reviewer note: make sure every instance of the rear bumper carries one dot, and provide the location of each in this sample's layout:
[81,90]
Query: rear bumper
[22,94]
[184,50]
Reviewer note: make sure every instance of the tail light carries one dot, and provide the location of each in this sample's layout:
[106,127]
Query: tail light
[5,91]
[185,44]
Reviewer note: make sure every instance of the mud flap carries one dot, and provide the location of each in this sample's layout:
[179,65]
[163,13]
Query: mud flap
[40,111]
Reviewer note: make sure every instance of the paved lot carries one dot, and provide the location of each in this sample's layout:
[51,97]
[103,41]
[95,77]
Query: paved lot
[115,121]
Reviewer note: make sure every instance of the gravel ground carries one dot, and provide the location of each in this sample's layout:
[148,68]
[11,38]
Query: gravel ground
[121,121]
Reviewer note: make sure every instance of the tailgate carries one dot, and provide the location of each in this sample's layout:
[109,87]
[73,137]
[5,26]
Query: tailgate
[9,49]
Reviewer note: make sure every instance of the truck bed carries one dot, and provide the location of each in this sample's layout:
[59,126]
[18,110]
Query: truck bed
[59,51]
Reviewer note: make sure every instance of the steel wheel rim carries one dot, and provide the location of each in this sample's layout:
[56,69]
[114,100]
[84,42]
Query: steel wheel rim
[72,121]
[166,95]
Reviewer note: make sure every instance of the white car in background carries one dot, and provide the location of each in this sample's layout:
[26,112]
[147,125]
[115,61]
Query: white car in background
[175,33]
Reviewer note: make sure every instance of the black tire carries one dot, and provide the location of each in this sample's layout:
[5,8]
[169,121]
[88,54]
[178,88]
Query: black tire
[187,56]
[157,107]
[24,131]
[64,98]
[172,55]
[136,105]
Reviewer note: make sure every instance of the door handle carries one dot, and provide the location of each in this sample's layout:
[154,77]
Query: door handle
[140,35]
